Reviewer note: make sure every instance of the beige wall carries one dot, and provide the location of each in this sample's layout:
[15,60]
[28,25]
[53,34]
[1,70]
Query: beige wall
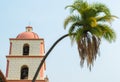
[15,65]
[17,60]
[17,47]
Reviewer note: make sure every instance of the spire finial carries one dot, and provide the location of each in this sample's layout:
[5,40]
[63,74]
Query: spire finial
[29,29]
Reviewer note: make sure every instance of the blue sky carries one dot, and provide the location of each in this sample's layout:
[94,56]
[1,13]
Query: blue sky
[46,17]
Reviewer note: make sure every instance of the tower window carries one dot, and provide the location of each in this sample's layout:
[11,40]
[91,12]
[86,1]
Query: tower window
[26,49]
[24,72]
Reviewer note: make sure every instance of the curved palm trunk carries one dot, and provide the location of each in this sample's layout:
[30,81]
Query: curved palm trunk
[46,55]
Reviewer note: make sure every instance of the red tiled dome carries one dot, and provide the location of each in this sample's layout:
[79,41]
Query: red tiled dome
[28,34]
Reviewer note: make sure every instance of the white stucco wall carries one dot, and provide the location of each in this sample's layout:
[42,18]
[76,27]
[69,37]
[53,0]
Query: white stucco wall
[34,47]
[15,65]
[18,60]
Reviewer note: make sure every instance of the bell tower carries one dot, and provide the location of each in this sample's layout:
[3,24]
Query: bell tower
[25,53]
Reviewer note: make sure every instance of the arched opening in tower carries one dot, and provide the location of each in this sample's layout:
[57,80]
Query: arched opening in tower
[24,72]
[26,49]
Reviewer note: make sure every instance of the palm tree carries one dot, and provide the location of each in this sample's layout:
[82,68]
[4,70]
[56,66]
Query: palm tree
[89,23]
[87,27]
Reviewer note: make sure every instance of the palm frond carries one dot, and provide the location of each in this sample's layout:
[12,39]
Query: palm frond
[74,27]
[107,18]
[80,32]
[96,31]
[72,8]
[108,33]
[71,19]
[101,8]
[79,5]
[88,49]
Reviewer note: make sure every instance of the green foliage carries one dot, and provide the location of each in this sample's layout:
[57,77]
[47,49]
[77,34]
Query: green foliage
[88,24]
